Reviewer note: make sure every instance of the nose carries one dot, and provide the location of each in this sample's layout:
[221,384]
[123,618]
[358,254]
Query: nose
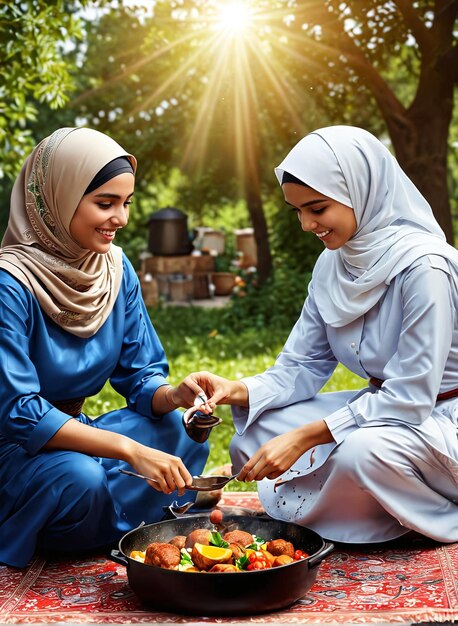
[307,223]
[121,216]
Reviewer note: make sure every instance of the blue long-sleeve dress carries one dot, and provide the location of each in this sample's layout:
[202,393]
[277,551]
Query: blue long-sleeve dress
[44,494]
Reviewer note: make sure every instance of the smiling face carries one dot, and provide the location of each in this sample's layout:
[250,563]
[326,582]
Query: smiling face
[101,212]
[332,222]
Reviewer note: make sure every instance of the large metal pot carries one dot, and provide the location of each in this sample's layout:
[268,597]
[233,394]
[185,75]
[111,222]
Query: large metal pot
[168,233]
[242,593]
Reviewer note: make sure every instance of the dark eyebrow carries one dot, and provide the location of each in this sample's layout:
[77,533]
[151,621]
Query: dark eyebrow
[112,195]
[309,203]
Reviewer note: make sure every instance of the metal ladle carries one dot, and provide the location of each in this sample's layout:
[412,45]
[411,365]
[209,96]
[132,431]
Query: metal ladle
[199,483]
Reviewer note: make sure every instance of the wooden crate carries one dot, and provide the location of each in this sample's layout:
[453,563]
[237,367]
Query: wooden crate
[201,285]
[204,263]
[150,291]
[181,288]
[169,264]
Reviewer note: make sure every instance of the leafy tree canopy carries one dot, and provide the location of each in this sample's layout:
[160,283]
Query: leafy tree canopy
[34,34]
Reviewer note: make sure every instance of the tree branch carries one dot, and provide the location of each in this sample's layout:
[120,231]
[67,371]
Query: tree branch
[419,31]
[386,99]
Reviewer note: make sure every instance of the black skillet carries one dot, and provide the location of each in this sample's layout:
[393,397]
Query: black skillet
[243,593]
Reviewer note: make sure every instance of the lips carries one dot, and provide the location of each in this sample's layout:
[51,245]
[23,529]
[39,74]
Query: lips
[322,235]
[106,234]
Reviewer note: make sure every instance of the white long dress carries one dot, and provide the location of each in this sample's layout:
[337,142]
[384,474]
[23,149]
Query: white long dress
[394,464]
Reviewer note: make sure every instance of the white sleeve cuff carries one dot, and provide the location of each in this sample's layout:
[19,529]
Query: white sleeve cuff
[341,423]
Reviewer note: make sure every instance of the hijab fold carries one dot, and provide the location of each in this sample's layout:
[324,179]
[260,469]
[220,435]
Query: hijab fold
[76,287]
[395,224]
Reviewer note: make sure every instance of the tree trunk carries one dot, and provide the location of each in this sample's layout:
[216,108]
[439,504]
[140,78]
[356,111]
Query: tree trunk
[255,208]
[420,143]
[420,132]
[251,177]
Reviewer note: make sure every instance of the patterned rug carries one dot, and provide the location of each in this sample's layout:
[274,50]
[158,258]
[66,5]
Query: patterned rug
[399,584]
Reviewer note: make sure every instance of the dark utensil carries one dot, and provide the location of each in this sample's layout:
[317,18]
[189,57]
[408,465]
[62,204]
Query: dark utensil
[222,593]
[199,483]
[198,425]
[175,510]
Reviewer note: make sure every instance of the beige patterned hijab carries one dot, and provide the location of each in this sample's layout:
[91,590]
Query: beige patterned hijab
[77,288]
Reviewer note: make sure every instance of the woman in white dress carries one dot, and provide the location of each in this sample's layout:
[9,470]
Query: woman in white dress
[364,466]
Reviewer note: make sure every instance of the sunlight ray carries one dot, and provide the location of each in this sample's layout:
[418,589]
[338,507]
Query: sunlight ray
[247,109]
[175,76]
[207,106]
[279,84]
[300,56]
[130,69]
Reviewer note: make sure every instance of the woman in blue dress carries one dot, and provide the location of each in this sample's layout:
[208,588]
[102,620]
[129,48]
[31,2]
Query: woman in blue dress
[374,464]
[71,318]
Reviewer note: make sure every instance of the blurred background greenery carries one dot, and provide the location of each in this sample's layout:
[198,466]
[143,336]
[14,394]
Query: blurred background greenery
[211,94]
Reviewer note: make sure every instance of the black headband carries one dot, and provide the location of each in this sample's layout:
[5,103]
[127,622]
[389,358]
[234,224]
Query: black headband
[289,178]
[109,171]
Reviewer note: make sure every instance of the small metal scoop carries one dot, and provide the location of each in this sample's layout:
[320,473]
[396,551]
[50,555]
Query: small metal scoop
[210,483]
[199,483]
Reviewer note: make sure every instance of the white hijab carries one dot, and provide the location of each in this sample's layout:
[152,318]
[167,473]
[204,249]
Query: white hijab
[395,224]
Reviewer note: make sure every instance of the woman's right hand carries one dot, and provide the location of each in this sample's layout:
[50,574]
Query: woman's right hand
[218,390]
[168,470]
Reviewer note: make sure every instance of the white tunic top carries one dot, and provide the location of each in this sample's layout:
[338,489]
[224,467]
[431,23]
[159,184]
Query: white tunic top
[409,340]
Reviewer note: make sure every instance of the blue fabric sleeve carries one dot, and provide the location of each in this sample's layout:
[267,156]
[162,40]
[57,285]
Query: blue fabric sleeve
[142,367]
[22,409]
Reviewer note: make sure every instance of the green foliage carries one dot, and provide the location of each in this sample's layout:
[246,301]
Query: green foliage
[33,34]
[276,304]
[199,339]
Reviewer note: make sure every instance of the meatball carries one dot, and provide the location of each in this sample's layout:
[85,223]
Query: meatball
[237,551]
[240,537]
[200,535]
[163,555]
[280,546]
[178,541]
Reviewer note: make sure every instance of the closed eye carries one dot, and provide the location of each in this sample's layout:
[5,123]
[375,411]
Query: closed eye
[108,205]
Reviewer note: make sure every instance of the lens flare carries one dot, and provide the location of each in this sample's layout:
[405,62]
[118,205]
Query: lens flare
[234,18]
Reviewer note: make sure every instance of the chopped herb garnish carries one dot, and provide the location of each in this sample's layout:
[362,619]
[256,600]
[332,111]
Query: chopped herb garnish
[257,543]
[217,540]
[242,562]
[185,558]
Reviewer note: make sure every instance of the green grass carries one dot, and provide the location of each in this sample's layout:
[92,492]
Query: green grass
[196,339]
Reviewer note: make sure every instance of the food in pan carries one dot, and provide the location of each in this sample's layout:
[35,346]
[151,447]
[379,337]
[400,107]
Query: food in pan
[163,555]
[204,550]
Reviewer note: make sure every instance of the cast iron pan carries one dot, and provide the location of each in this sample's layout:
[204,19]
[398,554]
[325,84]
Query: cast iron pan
[244,593]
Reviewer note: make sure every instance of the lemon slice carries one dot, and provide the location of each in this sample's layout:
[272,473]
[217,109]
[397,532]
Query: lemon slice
[214,553]
[207,556]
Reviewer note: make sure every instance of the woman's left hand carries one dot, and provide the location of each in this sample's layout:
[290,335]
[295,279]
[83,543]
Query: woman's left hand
[278,455]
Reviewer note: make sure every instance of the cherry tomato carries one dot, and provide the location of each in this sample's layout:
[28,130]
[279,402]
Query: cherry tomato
[300,554]
[216,517]
[258,561]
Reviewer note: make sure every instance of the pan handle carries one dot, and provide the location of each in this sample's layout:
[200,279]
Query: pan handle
[117,557]
[319,556]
